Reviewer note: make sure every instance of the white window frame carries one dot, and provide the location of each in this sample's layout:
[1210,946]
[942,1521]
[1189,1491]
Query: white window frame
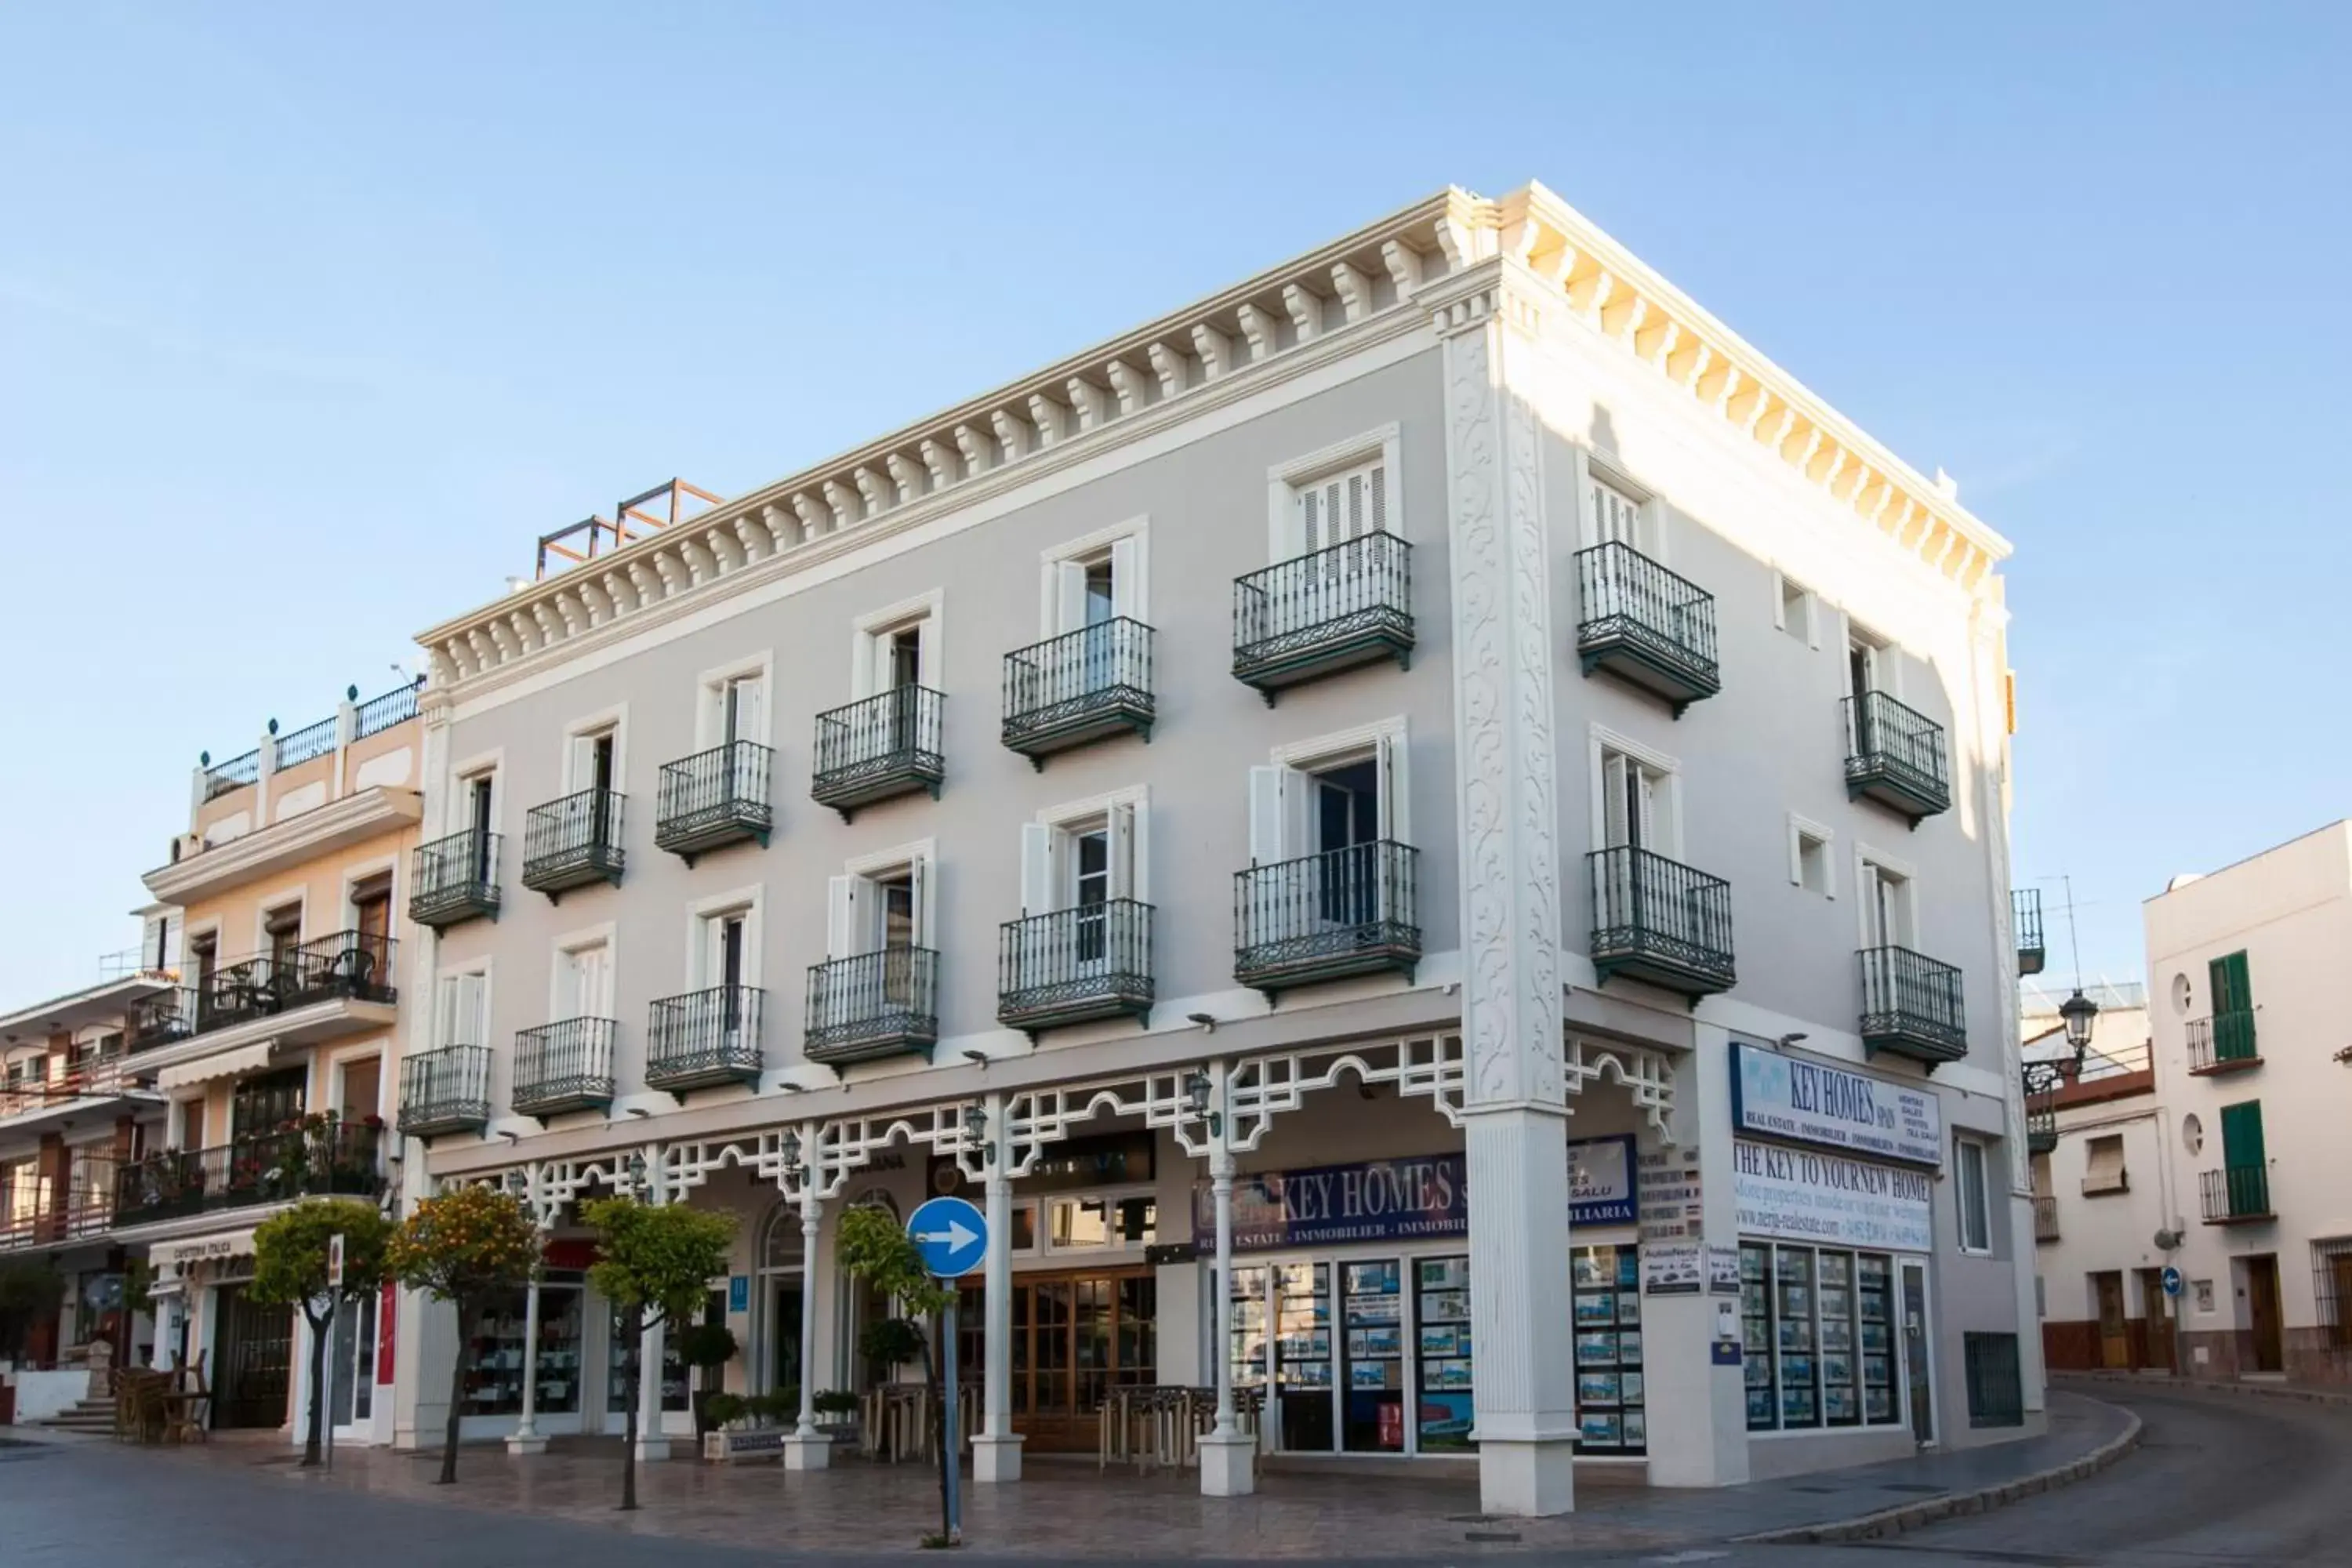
[1383,444]
[1386,737]
[561,949]
[1963,1146]
[490,765]
[1134,591]
[1810,634]
[615,721]
[1649,512]
[1802,827]
[338,1064]
[711,695]
[926,611]
[1667,794]
[868,867]
[479,968]
[1077,816]
[751,902]
[1886,658]
[1867,862]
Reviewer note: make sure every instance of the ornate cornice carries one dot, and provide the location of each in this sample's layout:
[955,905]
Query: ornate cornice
[274,846]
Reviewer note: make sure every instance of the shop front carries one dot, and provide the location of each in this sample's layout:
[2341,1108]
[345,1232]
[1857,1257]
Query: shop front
[1834,1175]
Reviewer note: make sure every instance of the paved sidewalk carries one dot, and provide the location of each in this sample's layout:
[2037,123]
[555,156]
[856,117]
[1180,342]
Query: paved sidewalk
[1071,1513]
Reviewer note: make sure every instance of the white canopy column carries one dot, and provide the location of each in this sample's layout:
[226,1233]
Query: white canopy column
[653,1443]
[1228,1454]
[996,1451]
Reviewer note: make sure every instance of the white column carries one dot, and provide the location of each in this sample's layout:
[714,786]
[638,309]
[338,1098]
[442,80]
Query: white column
[1697,1409]
[525,1438]
[1515,1131]
[653,1443]
[996,1452]
[806,1449]
[1228,1455]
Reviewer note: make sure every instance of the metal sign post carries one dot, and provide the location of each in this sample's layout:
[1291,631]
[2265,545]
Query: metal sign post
[334,1306]
[952,1235]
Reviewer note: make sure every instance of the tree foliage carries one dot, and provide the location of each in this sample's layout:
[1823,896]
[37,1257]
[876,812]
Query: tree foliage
[873,1245]
[463,1246]
[289,1269]
[654,1263]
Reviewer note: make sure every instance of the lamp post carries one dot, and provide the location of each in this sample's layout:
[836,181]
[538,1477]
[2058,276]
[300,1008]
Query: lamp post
[525,1438]
[1227,1458]
[806,1449]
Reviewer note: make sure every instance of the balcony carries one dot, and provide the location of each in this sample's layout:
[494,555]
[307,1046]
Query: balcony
[1895,757]
[163,1018]
[95,1075]
[448,1091]
[87,1211]
[2045,1217]
[1911,1006]
[322,1157]
[2042,1082]
[1074,966]
[1302,620]
[883,1003]
[2223,1043]
[455,880]
[1659,922]
[713,799]
[1325,917]
[878,748]
[565,1066]
[572,842]
[1079,688]
[704,1039]
[349,965]
[1646,625]
[2235,1194]
[2025,920]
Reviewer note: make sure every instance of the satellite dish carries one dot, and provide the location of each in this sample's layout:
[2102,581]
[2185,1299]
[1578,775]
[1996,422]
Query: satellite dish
[2166,1240]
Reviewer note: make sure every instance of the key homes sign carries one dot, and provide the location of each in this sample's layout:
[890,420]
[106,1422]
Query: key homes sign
[1393,1200]
[1812,1102]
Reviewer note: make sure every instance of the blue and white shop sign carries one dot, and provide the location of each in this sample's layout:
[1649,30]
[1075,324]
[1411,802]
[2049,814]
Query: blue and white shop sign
[1812,1102]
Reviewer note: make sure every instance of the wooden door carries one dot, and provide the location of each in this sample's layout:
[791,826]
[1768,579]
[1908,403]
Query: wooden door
[2263,1310]
[2159,1351]
[1076,1337]
[2115,1339]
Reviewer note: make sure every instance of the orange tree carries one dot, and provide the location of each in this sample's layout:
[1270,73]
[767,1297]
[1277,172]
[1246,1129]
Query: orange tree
[463,1246]
[654,1263]
[289,1269]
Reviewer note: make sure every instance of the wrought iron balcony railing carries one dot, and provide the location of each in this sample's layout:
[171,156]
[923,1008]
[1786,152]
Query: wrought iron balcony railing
[1896,756]
[87,1209]
[872,1005]
[1344,911]
[378,714]
[1911,1004]
[165,1017]
[881,746]
[1646,625]
[235,773]
[564,1066]
[2025,920]
[351,965]
[446,1090]
[1079,687]
[454,879]
[2235,1194]
[714,798]
[704,1038]
[2042,1082]
[572,842]
[309,742]
[2223,1043]
[1317,615]
[1657,921]
[316,1157]
[1073,966]
[2045,1217]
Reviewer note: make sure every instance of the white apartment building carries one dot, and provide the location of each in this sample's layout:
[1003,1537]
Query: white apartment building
[1427,832]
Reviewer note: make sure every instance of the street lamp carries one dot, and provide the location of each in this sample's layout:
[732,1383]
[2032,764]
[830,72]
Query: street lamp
[975,1130]
[2077,1013]
[638,1175]
[1196,1098]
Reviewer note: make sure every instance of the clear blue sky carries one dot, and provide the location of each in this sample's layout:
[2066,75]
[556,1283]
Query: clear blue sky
[311,318]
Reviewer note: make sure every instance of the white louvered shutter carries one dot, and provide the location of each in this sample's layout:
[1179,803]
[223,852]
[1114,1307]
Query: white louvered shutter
[1616,830]
[921,890]
[1616,516]
[1069,597]
[1126,586]
[1037,894]
[1123,851]
[1385,760]
[842,938]
[1268,806]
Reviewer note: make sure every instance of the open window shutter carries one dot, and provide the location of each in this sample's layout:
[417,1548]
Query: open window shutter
[1269,788]
[1384,758]
[751,709]
[1127,596]
[472,1025]
[445,1012]
[840,916]
[2241,1135]
[1645,808]
[1614,828]
[921,891]
[928,654]
[1376,500]
[1313,508]
[1123,851]
[1069,597]
[1866,888]
[1036,869]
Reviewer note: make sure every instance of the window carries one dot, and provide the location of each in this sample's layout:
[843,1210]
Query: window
[583,981]
[883,905]
[1868,664]
[1338,507]
[372,914]
[1996,1387]
[1094,580]
[2192,1133]
[1616,514]
[463,1010]
[2331,1270]
[2242,1136]
[1887,905]
[362,1089]
[1818,1329]
[2104,1166]
[1095,1223]
[739,709]
[2038,1166]
[897,648]
[282,933]
[725,949]
[590,763]
[1079,862]
[1793,611]
[203,952]
[1969,1193]
[1810,866]
[1337,801]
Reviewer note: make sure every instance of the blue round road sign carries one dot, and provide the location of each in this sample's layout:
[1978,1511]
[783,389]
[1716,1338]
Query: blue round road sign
[2171,1281]
[952,1235]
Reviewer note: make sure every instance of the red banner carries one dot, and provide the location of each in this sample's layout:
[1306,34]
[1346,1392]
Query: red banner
[384,1333]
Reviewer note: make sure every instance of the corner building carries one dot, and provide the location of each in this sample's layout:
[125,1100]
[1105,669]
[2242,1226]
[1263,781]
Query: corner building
[1439,766]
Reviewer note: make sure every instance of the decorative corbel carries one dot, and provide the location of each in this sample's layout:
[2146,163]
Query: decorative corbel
[1305,309]
[1128,382]
[1012,434]
[1214,351]
[1045,418]
[1262,330]
[906,474]
[843,502]
[1172,366]
[1354,290]
[977,448]
[875,489]
[815,519]
[1405,265]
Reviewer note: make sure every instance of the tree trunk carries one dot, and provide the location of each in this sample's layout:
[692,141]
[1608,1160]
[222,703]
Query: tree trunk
[312,1439]
[941,1438]
[457,1400]
[635,1328]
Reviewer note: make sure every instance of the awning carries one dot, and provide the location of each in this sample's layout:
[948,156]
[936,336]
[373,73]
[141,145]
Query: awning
[226,1064]
[182,1255]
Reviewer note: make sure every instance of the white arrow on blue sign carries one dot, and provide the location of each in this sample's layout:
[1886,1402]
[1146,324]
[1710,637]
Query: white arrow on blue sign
[952,1235]
[2171,1281]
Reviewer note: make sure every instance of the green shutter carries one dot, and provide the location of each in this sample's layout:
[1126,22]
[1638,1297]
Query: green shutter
[2241,1135]
[2233,1007]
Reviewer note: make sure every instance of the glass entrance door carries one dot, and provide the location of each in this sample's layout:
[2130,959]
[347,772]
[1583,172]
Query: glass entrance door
[253,1351]
[350,1369]
[1919,1377]
[1076,1338]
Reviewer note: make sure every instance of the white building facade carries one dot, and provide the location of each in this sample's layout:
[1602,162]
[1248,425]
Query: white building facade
[1437,775]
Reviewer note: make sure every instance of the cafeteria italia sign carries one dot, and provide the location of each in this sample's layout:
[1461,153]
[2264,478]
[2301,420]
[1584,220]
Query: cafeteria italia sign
[1812,1102]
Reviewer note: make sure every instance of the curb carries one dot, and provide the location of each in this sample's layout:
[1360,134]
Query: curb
[1984,1500]
[2212,1386]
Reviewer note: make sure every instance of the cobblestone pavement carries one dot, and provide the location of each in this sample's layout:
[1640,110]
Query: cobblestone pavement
[245,1503]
